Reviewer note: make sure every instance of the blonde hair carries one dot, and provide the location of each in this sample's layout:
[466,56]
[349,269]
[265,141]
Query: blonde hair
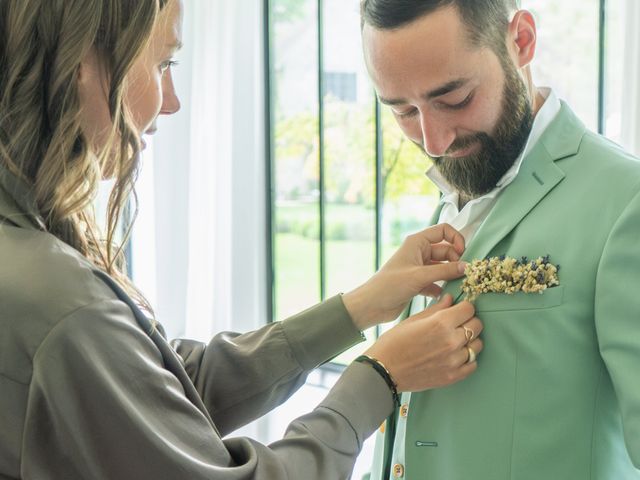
[42,43]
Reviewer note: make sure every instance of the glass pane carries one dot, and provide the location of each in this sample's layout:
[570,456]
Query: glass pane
[567,53]
[349,151]
[409,196]
[349,128]
[296,169]
[615,68]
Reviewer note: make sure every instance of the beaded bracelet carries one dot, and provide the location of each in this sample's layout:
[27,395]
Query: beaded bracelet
[384,373]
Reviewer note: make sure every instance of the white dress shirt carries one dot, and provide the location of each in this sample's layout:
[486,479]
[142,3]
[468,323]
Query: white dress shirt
[468,220]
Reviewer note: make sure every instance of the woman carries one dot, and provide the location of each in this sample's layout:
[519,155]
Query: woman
[89,387]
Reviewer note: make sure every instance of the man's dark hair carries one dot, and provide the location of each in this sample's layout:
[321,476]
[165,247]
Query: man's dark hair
[486,20]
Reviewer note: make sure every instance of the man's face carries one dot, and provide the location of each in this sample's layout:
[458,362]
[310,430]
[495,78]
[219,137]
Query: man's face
[465,107]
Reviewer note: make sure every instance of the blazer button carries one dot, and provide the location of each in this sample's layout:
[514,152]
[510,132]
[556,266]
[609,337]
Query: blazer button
[398,470]
[404,410]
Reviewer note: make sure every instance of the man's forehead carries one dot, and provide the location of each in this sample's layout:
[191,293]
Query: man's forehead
[428,58]
[435,38]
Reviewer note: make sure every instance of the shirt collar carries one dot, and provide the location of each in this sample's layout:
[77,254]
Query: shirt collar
[550,108]
[17,202]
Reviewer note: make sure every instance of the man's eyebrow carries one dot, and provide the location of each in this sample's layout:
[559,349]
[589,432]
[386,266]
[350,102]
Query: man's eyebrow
[446,88]
[438,92]
[391,102]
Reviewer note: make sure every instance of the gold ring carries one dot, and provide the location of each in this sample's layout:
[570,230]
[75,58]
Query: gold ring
[472,355]
[468,333]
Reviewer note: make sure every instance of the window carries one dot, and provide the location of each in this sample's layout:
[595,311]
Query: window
[342,86]
[347,187]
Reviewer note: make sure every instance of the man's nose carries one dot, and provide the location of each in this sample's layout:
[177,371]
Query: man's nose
[437,136]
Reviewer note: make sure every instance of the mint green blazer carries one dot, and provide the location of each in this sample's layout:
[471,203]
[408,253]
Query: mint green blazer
[557,392]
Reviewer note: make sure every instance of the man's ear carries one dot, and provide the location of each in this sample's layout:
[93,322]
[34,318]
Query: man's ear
[522,38]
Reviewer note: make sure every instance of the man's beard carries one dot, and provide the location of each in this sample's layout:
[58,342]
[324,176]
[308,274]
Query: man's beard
[477,174]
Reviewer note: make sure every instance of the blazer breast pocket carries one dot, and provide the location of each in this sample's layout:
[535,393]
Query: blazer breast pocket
[496,302]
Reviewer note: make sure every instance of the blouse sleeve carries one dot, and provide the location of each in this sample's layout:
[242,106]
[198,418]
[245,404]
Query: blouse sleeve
[261,369]
[102,405]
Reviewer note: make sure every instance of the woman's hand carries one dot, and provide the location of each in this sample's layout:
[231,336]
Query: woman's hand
[430,349]
[423,259]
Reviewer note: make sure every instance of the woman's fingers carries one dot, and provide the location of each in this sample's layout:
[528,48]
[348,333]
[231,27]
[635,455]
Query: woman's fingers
[432,291]
[431,236]
[431,349]
[444,252]
[469,331]
[470,352]
[440,272]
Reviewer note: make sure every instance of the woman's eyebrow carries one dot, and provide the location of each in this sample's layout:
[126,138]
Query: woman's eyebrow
[176,45]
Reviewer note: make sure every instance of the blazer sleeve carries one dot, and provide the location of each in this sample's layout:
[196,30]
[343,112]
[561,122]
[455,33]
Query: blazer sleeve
[101,405]
[617,316]
[261,369]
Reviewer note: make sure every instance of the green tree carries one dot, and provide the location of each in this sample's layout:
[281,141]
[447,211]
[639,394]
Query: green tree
[350,154]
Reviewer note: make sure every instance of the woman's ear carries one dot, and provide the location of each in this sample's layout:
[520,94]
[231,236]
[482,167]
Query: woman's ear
[522,38]
[89,67]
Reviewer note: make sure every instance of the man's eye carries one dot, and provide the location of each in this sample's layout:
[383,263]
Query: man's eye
[462,104]
[407,114]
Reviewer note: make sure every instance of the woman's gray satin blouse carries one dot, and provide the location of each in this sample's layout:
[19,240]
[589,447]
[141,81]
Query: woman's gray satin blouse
[89,390]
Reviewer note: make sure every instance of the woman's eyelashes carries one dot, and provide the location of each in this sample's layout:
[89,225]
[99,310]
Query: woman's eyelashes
[166,65]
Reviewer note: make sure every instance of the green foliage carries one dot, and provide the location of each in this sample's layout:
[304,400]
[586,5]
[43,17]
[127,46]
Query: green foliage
[349,156]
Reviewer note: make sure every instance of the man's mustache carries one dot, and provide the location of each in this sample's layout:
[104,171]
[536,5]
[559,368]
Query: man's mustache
[458,144]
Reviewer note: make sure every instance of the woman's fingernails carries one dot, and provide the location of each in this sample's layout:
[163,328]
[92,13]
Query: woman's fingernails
[445,298]
[462,266]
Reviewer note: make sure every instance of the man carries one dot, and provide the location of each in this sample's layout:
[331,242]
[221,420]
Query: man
[557,393]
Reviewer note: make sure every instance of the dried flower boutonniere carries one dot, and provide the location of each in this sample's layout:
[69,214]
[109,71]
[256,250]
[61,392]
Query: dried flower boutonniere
[508,275]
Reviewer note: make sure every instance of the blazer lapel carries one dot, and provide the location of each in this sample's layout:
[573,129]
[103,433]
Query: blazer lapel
[538,176]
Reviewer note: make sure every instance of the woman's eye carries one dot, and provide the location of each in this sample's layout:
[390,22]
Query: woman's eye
[164,66]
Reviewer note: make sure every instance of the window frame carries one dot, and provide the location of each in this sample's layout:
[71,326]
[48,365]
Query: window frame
[379,152]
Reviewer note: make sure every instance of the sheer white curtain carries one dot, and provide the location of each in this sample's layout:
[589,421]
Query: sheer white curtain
[226,220]
[199,245]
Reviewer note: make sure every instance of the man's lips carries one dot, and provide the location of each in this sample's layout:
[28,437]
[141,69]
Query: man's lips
[464,152]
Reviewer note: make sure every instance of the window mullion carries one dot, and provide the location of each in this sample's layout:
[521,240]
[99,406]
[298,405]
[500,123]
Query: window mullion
[601,66]
[321,150]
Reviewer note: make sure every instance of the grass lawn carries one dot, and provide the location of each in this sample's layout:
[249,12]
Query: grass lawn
[349,263]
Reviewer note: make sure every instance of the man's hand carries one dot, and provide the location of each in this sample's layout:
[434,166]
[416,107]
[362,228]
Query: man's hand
[423,259]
